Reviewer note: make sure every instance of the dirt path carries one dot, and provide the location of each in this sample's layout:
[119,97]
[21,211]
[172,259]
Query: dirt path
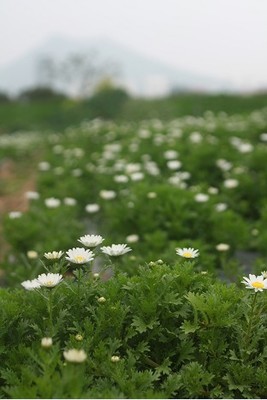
[14,184]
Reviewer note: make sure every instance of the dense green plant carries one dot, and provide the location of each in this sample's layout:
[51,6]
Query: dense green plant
[174,332]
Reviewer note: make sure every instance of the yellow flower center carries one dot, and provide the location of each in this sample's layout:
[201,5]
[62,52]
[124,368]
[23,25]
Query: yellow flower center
[258,285]
[49,283]
[187,254]
[79,259]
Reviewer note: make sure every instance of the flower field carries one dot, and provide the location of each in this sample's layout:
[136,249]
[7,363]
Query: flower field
[138,269]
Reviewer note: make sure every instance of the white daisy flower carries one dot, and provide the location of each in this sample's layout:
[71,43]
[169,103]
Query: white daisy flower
[91,240]
[31,285]
[222,247]
[44,166]
[75,356]
[230,183]
[52,202]
[107,194]
[79,255]
[258,283]
[30,195]
[32,254]
[115,249]
[54,255]
[187,252]
[49,280]
[132,238]
[69,201]
[15,214]
[174,164]
[201,197]
[92,208]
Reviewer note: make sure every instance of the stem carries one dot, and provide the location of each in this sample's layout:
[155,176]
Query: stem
[150,362]
[79,284]
[50,308]
[247,337]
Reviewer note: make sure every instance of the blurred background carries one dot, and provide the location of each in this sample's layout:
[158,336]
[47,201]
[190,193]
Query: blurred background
[76,59]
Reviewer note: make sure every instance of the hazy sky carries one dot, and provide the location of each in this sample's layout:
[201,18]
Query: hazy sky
[223,38]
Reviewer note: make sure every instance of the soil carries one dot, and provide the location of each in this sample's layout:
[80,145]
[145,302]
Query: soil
[12,197]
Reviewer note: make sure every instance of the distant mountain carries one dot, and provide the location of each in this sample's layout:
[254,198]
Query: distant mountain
[138,73]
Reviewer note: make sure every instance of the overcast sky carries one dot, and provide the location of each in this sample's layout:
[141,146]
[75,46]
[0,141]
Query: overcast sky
[223,38]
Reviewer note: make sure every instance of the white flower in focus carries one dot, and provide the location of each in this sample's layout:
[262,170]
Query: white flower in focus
[30,195]
[258,283]
[132,238]
[15,214]
[187,252]
[92,208]
[91,240]
[79,255]
[31,285]
[230,183]
[222,247]
[69,201]
[54,255]
[49,280]
[201,197]
[107,194]
[52,202]
[75,356]
[115,250]
[46,342]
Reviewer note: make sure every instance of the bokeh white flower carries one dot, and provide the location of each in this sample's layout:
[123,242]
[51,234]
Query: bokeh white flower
[75,356]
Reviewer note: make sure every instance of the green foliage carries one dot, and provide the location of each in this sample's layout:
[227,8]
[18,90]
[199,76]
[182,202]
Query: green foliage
[177,334]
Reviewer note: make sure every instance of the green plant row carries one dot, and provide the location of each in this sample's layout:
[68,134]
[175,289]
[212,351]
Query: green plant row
[166,332]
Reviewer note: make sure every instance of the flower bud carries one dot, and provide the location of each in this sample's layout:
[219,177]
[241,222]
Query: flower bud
[46,342]
[101,300]
[115,359]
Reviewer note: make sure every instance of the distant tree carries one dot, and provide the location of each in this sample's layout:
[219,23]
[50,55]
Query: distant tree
[77,73]
[4,97]
[40,93]
[107,99]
